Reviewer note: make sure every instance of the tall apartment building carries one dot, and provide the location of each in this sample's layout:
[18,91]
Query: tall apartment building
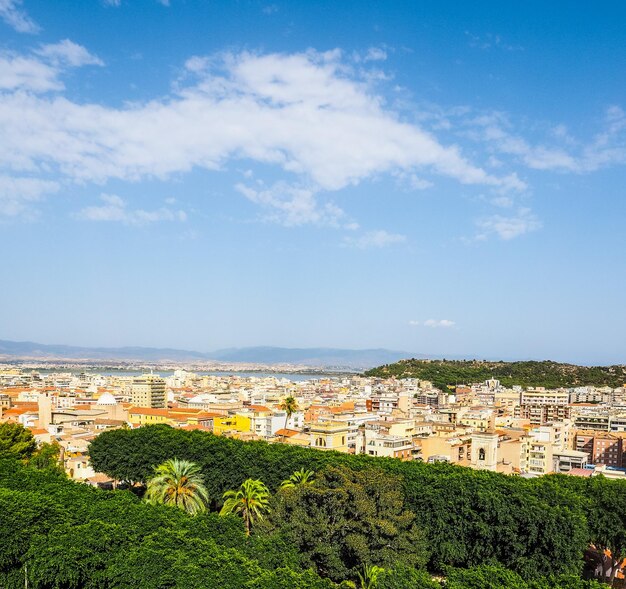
[541,406]
[602,447]
[148,390]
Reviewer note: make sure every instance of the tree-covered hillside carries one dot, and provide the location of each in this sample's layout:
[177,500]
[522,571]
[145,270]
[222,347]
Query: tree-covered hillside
[548,374]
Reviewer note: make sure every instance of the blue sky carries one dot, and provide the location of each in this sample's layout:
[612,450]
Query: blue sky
[436,177]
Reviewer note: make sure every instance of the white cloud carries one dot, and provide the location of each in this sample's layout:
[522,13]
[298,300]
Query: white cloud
[504,202]
[12,15]
[27,73]
[115,209]
[40,74]
[18,193]
[414,323]
[292,205]
[68,53]
[435,323]
[301,112]
[375,54]
[606,148]
[374,239]
[509,227]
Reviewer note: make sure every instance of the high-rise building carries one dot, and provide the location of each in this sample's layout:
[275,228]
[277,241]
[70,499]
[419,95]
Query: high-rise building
[148,390]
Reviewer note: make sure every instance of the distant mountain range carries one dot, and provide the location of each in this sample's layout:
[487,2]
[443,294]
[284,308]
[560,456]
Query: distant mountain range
[322,357]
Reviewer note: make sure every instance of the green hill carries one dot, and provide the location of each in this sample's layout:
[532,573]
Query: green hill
[527,374]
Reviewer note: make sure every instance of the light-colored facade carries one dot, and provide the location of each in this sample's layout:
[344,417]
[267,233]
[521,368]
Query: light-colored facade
[148,390]
[329,435]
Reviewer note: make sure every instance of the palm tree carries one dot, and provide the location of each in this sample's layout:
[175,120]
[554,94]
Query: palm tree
[289,406]
[369,578]
[178,483]
[300,477]
[251,501]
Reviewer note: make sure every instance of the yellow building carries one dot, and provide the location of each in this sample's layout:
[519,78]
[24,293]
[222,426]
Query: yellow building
[229,424]
[138,416]
[176,417]
[329,435]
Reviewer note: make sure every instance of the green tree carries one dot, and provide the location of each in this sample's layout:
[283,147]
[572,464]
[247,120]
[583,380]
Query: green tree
[289,406]
[16,441]
[403,577]
[607,520]
[251,501]
[347,520]
[46,456]
[300,477]
[178,483]
[484,577]
[368,579]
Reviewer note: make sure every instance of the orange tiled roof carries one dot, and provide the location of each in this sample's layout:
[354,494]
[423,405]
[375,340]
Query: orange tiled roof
[259,408]
[286,432]
[148,411]
[195,427]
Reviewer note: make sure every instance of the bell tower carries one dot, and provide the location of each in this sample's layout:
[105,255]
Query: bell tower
[484,455]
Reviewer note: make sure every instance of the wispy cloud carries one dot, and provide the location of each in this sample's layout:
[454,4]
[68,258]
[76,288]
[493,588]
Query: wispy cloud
[40,72]
[433,323]
[17,194]
[14,16]
[445,323]
[67,53]
[490,41]
[115,209]
[375,54]
[508,227]
[374,239]
[293,205]
[560,152]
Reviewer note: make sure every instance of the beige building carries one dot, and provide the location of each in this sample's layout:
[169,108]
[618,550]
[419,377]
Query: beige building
[453,448]
[148,390]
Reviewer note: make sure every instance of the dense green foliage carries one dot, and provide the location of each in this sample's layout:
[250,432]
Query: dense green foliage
[360,515]
[347,519]
[537,527]
[444,373]
[68,535]
[16,441]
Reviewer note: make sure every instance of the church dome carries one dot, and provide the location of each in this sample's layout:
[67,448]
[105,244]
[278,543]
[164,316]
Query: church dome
[106,399]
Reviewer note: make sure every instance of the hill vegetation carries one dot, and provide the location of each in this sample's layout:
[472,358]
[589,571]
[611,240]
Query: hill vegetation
[449,373]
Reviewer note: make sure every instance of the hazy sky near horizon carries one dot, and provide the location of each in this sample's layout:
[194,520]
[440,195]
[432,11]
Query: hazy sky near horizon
[435,177]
